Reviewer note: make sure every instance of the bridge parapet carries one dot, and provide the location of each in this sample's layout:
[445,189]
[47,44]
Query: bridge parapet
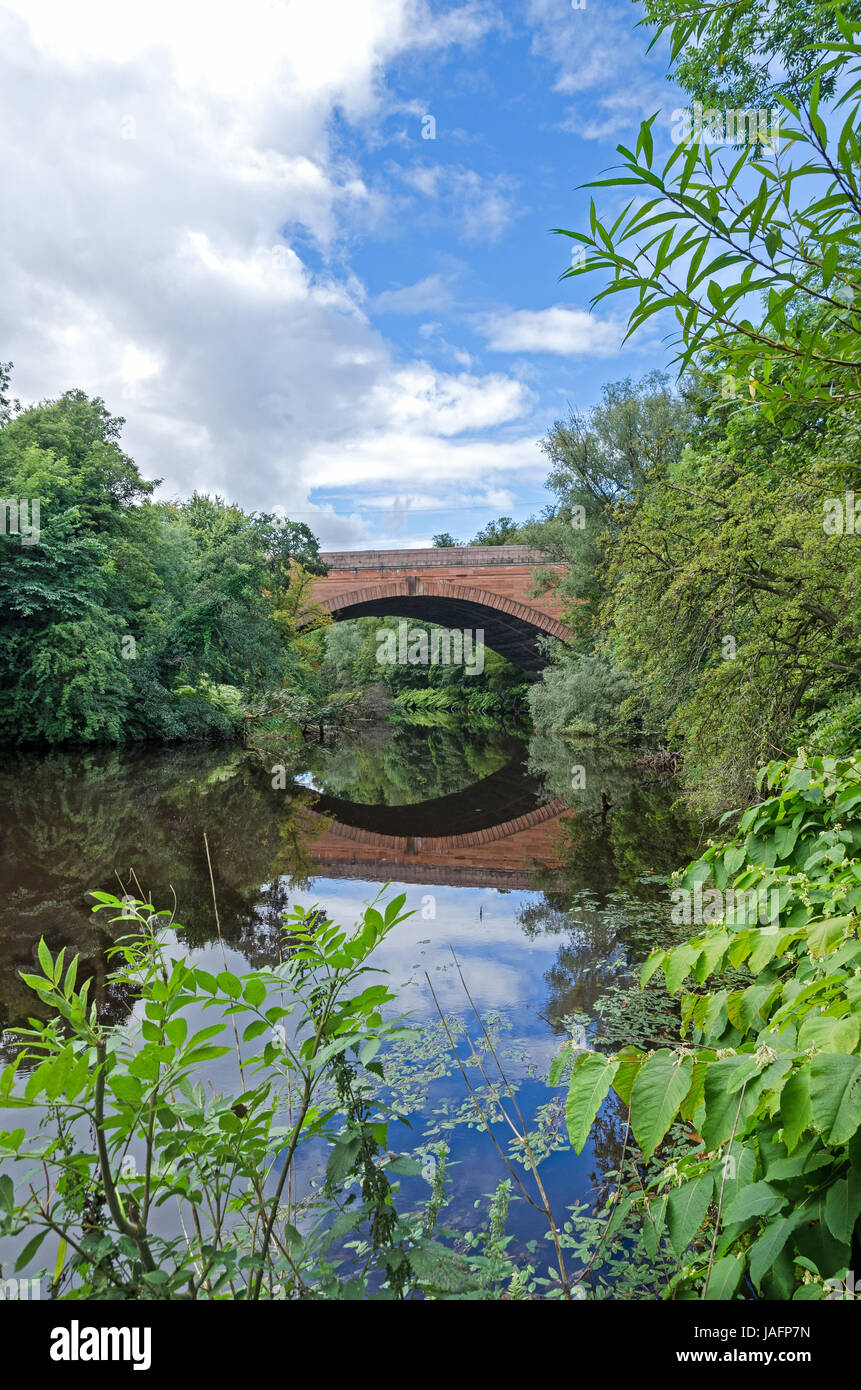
[436,557]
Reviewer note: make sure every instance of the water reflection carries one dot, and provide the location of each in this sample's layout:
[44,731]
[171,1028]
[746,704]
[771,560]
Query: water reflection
[486,814]
[500,843]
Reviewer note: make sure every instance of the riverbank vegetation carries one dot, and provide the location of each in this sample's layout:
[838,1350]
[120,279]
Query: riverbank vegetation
[132,619]
[739,1173]
[712,525]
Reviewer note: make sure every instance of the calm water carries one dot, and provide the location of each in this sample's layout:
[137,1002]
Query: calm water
[500,858]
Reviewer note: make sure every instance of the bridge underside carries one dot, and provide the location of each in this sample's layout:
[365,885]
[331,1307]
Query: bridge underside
[512,637]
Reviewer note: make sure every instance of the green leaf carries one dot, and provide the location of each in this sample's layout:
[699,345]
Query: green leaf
[840,1209]
[661,1085]
[725,1277]
[29,1250]
[766,1250]
[255,1029]
[591,1077]
[828,1034]
[722,1105]
[795,1112]
[784,839]
[630,1060]
[687,1208]
[229,984]
[45,959]
[835,1096]
[557,1067]
[757,1199]
[254,992]
[341,1160]
[404,1166]
[678,965]
[654,962]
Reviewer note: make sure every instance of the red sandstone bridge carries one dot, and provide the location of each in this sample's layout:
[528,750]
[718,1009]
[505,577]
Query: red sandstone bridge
[492,587]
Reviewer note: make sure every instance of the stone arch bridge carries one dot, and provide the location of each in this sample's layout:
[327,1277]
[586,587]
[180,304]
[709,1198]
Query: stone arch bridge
[489,587]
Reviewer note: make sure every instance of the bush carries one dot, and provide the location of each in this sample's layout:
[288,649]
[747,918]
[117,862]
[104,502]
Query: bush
[582,694]
[766,1203]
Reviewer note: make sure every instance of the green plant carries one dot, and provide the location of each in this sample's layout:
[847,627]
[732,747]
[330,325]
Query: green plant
[127,1125]
[770,1081]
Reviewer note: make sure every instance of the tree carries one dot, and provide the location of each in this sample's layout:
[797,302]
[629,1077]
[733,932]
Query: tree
[504,531]
[6,405]
[733,604]
[128,618]
[288,541]
[759,262]
[600,459]
[748,52]
[444,540]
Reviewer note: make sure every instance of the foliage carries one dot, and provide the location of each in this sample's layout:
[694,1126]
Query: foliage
[127,1126]
[778,226]
[581,693]
[503,531]
[748,52]
[464,699]
[126,617]
[735,608]
[771,1077]
[711,577]
[600,459]
[349,662]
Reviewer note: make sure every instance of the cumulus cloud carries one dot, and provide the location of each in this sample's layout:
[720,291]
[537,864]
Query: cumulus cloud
[479,207]
[567,332]
[176,221]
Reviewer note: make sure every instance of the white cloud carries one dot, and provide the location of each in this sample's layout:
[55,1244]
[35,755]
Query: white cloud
[567,332]
[432,292]
[601,61]
[479,207]
[417,397]
[165,168]
[387,458]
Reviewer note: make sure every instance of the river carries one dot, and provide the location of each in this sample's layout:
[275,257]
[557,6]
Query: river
[499,842]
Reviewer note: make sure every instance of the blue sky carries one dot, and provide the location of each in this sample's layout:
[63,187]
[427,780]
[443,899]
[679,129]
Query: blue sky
[228,222]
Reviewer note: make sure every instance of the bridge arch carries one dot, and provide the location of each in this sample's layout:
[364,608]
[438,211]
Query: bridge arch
[466,587]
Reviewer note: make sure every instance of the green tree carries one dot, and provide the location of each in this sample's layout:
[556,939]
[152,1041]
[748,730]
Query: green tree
[748,52]
[125,618]
[600,459]
[758,262]
[503,531]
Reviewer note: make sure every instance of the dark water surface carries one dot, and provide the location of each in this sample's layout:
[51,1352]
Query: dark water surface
[501,859]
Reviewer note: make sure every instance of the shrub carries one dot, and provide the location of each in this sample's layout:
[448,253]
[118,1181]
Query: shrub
[766,1202]
[581,694]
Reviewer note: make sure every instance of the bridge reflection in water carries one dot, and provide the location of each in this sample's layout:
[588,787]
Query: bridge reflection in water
[492,834]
